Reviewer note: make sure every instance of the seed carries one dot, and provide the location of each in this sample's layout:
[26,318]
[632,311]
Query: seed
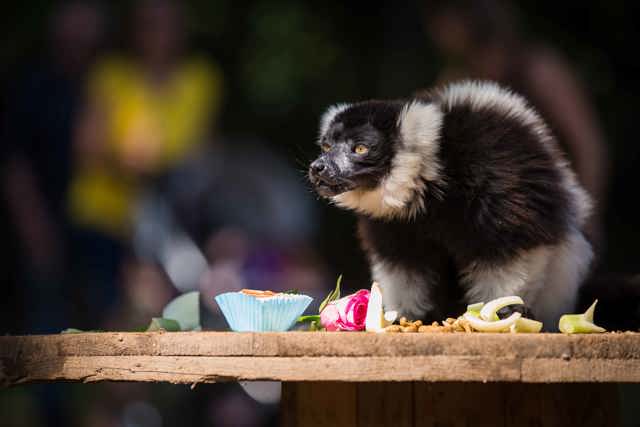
[409,328]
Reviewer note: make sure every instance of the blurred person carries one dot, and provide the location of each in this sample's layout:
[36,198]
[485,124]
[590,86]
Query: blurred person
[38,132]
[147,110]
[480,39]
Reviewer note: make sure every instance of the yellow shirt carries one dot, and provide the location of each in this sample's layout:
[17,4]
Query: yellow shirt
[151,127]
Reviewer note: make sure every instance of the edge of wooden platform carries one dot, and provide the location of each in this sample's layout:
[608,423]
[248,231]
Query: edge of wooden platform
[302,356]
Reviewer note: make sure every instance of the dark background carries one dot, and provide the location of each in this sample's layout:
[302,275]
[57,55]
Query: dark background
[285,61]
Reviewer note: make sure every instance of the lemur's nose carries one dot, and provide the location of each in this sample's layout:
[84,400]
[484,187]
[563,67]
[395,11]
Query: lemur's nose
[317,166]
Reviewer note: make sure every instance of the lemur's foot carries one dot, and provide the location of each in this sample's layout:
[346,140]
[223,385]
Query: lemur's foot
[507,311]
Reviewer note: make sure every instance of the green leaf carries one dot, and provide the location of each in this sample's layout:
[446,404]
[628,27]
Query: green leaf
[310,318]
[291,291]
[185,309]
[162,324]
[333,295]
[79,331]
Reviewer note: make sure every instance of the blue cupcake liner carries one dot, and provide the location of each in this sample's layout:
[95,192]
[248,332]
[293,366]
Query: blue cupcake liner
[246,313]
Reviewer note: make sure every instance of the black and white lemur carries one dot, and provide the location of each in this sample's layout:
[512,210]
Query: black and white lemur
[462,195]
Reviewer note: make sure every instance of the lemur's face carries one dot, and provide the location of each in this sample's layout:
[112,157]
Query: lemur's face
[354,155]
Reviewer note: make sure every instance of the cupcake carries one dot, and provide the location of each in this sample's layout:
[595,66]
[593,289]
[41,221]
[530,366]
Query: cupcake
[260,311]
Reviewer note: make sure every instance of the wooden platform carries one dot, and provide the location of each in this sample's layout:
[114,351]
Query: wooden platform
[195,357]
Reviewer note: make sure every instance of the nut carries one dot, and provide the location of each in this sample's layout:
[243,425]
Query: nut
[392,328]
[409,328]
[430,328]
[465,325]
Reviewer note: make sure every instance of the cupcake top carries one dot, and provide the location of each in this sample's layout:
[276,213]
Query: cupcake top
[268,296]
[258,293]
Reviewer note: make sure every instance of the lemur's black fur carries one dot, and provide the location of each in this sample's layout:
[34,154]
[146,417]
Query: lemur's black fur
[499,197]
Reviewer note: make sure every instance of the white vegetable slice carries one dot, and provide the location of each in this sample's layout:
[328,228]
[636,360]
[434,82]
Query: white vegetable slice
[497,326]
[488,312]
[375,321]
[526,325]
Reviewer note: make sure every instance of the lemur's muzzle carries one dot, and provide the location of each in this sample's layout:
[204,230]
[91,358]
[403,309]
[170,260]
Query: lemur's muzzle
[326,179]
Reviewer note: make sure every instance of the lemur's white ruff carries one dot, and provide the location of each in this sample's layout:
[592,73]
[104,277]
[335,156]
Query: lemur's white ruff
[416,161]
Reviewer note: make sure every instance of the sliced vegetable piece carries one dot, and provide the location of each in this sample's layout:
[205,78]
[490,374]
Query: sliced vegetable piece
[490,309]
[375,321]
[310,318]
[580,323]
[527,326]
[162,324]
[477,314]
[475,307]
[474,310]
[488,326]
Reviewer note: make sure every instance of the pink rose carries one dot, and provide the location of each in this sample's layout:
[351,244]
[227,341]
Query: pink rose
[346,314]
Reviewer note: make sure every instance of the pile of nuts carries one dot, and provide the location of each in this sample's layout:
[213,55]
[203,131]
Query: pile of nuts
[448,325]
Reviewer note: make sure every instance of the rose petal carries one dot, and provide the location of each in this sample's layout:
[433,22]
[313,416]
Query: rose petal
[329,317]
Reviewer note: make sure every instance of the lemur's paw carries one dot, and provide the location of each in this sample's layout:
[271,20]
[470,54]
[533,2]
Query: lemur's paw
[507,311]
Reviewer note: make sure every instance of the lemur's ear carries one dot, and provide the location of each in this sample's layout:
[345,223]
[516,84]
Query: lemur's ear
[329,115]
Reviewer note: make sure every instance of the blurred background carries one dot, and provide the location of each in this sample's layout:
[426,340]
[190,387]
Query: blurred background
[151,147]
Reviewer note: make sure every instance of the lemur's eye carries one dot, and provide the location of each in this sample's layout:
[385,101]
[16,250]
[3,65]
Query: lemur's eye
[325,147]
[361,149]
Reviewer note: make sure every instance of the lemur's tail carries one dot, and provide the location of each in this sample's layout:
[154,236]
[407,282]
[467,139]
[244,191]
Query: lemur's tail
[618,301]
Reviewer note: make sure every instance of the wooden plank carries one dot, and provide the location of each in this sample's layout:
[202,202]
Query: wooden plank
[458,404]
[326,404]
[560,405]
[385,403]
[193,369]
[580,370]
[449,404]
[600,346]
[359,357]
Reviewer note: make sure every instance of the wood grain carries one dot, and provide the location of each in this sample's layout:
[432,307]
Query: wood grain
[385,404]
[449,404]
[302,356]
